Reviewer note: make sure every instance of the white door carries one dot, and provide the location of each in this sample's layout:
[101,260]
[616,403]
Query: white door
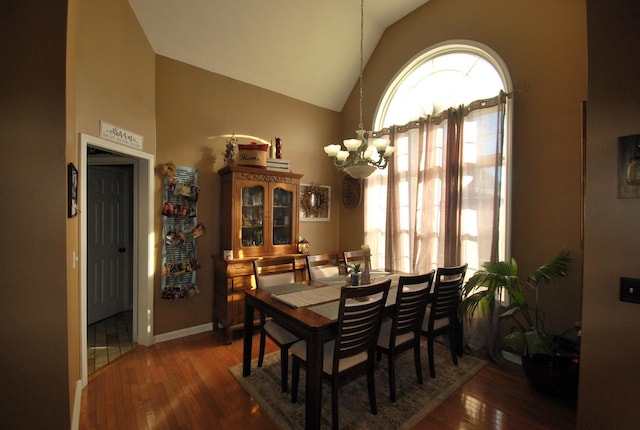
[109,241]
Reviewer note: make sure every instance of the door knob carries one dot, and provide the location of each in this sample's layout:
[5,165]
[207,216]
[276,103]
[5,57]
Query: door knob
[122,249]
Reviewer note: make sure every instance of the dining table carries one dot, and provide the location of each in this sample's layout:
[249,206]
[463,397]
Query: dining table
[309,309]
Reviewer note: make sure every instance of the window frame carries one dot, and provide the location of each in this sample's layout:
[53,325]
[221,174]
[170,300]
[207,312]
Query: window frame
[489,55]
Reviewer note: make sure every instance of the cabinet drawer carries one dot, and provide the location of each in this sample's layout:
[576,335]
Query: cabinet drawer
[241,283]
[239,269]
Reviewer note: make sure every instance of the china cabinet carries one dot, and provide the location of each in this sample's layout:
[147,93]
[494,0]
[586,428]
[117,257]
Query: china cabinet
[259,212]
[259,218]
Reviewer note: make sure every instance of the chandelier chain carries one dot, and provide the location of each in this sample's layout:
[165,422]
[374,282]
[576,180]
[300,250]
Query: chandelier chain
[361,126]
[361,157]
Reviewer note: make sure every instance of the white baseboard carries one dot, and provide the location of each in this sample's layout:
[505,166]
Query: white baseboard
[182,333]
[77,403]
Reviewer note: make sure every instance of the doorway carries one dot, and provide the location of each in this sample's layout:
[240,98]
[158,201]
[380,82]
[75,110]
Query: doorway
[109,257]
[109,238]
[141,246]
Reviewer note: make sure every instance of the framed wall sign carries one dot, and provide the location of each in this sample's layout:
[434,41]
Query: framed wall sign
[72,190]
[315,202]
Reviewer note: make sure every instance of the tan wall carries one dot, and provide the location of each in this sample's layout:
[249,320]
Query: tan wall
[110,75]
[543,44]
[194,109]
[113,68]
[609,372]
[34,386]
[115,71]
[72,231]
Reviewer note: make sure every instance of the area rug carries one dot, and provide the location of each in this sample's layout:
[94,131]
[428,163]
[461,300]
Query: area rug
[413,401]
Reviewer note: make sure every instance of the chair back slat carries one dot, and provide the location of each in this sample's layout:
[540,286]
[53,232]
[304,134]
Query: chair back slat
[323,266]
[274,271]
[447,288]
[359,319]
[411,303]
[354,257]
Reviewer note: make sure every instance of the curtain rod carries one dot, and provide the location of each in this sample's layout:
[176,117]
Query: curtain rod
[436,119]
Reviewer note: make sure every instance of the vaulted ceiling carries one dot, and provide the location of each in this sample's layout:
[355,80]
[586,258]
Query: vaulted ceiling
[308,50]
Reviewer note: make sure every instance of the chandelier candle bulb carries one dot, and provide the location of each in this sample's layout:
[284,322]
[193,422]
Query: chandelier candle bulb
[342,155]
[370,153]
[332,150]
[352,144]
[380,144]
[388,151]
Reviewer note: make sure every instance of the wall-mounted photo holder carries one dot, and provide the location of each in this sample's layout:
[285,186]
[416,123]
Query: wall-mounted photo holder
[72,190]
[315,202]
[629,167]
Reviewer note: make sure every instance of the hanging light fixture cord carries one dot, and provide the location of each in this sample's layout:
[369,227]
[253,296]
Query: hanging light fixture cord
[361,126]
[360,159]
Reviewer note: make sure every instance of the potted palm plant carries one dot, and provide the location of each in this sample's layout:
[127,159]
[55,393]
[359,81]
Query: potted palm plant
[549,361]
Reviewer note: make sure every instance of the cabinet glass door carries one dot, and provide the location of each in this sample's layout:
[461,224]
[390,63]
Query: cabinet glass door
[282,216]
[252,216]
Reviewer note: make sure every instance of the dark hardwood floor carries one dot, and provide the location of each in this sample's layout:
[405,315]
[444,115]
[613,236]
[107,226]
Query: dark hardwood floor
[185,384]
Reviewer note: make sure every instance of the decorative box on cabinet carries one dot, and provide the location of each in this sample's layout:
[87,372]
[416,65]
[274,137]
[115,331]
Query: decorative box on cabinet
[232,278]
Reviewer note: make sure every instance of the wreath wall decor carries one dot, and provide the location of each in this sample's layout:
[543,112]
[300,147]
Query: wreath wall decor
[351,192]
[315,202]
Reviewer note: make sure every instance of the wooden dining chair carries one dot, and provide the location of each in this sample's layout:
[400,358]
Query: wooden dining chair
[352,353]
[269,272]
[442,314]
[402,332]
[354,257]
[322,266]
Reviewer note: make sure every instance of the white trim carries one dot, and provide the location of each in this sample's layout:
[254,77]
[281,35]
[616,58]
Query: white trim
[143,241]
[77,404]
[449,46]
[183,332]
[491,56]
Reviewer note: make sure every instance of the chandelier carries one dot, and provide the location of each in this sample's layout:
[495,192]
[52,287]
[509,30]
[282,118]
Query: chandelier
[361,157]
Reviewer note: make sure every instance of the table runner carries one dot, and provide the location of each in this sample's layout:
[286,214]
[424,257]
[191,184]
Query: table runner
[339,279]
[287,288]
[311,296]
[330,310]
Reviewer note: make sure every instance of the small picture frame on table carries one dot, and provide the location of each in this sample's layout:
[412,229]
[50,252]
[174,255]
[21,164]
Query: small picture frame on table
[72,190]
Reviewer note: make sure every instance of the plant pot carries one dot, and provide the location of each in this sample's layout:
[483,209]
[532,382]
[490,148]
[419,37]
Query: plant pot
[556,374]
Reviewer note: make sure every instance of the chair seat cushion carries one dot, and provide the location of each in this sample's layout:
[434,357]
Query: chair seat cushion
[299,349]
[384,338]
[280,334]
[436,324]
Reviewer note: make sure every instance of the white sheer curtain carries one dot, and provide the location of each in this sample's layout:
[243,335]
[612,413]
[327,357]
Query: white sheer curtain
[439,201]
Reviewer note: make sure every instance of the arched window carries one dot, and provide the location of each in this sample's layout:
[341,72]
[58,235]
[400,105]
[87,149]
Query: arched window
[444,198]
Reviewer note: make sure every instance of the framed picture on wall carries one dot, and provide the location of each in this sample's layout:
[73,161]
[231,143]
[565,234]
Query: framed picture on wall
[72,190]
[629,167]
[315,202]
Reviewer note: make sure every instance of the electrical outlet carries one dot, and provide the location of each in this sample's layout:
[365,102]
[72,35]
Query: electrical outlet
[630,290]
